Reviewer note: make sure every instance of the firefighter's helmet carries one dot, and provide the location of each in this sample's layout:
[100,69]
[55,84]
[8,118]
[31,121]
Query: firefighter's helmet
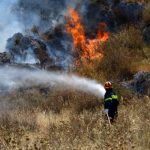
[108,85]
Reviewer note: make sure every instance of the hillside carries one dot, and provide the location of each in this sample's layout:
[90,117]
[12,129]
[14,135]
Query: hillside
[56,56]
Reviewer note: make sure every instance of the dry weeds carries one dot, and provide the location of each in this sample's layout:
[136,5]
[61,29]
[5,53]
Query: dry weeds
[28,126]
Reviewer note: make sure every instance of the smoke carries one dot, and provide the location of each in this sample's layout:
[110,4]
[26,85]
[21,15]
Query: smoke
[8,22]
[12,78]
[38,19]
[43,20]
[45,14]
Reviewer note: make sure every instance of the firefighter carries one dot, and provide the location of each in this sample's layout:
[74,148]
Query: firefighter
[110,102]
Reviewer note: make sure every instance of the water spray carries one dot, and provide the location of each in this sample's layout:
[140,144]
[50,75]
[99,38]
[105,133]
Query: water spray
[12,78]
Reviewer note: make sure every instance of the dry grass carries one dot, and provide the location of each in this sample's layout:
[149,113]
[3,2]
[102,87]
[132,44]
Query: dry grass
[28,126]
[58,119]
[120,53]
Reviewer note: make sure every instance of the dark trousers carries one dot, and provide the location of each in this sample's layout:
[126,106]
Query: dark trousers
[113,109]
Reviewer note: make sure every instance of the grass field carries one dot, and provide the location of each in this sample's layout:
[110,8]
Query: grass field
[31,120]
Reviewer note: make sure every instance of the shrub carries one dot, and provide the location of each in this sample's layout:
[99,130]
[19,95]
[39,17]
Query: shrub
[120,52]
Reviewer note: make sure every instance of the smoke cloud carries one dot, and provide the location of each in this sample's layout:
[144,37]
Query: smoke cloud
[12,78]
[45,14]
[21,15]
[9,23]
[28,20]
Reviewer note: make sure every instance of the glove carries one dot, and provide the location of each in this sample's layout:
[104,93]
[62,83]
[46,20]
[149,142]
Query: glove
[106,111]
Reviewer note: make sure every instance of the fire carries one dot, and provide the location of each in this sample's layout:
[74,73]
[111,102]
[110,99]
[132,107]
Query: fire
[89,47]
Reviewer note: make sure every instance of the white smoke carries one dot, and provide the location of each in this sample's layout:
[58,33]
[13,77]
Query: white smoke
[8,22]
[13,78]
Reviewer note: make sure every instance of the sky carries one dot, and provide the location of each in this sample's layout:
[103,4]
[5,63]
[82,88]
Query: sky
[8,22]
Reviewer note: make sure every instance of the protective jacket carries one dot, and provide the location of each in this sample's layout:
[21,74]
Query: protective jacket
[111,102]
[110,97]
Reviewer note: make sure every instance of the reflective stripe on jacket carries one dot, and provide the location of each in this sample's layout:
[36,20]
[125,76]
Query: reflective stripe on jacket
[110,96]
[113,97]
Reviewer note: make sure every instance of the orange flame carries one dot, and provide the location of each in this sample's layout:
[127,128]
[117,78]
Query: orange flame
[89,47]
